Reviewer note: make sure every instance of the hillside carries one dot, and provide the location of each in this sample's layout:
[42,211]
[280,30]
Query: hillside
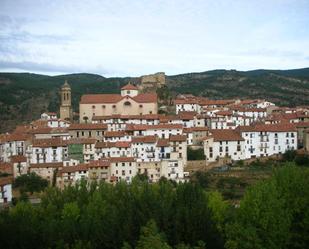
[284,87]
[24,96]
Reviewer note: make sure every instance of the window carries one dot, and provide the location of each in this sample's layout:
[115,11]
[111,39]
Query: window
[103,106]
[93,107]
[127,103]
[114,106]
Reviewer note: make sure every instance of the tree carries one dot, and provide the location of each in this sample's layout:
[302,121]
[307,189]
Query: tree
[197,154]
[151,238]
[218,208]
[201,178]
[289,155]
[302,160]
[274,213]
[30,183]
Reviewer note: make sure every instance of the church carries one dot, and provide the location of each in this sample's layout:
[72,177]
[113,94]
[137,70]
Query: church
[128,102]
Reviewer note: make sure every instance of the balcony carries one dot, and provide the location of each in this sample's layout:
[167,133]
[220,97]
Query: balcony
[150,150]
[150,155]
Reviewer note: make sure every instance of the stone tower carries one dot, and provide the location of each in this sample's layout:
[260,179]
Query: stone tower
[66,107]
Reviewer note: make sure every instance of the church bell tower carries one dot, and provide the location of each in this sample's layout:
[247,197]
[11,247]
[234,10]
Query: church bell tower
[66,108]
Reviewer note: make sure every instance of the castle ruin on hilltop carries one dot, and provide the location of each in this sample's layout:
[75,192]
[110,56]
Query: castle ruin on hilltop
[151,82]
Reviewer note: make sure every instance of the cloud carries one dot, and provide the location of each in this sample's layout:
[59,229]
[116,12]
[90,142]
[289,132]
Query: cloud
[45,67]
[176,36]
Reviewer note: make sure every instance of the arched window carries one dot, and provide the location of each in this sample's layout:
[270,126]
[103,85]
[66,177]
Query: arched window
[140,106]
[93,107]
[114,106]
[103,106]
[127,103]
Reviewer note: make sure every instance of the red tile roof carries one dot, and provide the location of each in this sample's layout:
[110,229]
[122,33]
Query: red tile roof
[135,127]
[114,98]
[204,128]
[127,117]
[115,134]
[70,169]
[6,168]
[129,86]
[48,130]
[49,142]
[118,144]
[144,139]
[226,135]
[46,165]
[275,127]
[88,127]
[82,141]
[281,127]
[100,98]
[163,143]
[146,98]
[18,159]
[187,115]
[164,127]
[302,124]
[121,159]
[15,137]
[178,138]
[6,180]
[224,113]
[99,163]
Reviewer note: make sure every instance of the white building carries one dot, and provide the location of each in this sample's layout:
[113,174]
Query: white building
[12,145]
[112,149]
[123,168]
[266,140]
[144,148]
[5,190]
[224,144]
[47,150]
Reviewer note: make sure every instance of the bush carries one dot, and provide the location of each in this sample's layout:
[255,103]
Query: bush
[30,183]
[302,160]
[289,155]
[194,155]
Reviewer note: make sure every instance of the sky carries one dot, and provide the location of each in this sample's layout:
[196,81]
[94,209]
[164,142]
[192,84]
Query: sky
[137,37]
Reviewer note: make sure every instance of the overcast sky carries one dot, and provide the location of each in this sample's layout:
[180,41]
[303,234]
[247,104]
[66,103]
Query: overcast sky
[135,37]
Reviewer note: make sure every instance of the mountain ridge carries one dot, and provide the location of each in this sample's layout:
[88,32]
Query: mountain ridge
[23,96]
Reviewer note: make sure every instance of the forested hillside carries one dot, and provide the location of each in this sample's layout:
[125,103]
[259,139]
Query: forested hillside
[24,96]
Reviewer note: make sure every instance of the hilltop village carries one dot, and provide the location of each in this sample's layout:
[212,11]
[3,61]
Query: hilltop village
[121,135]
